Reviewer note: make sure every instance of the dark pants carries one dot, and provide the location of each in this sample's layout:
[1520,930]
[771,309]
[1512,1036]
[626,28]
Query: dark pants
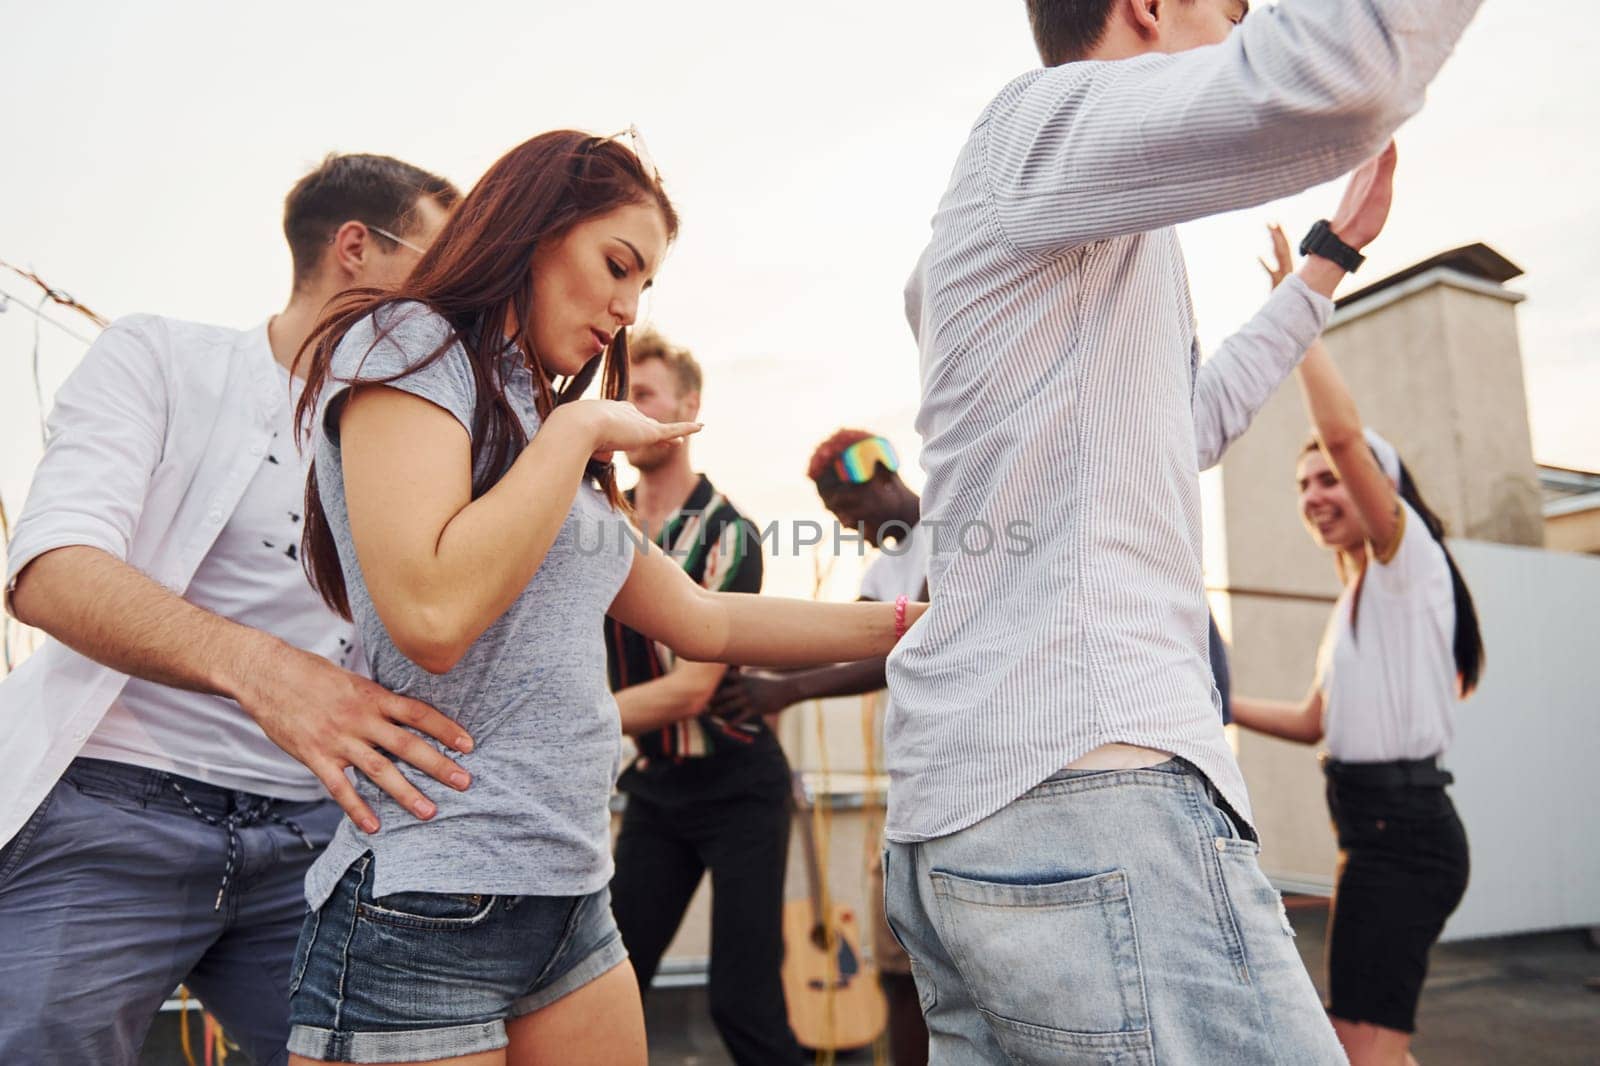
[743,840]
[108,899]
[1403,868]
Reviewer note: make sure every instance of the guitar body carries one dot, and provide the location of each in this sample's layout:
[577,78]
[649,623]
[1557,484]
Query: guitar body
[835,1003]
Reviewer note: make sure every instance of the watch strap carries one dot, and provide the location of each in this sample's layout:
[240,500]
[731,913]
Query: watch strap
[1321,240]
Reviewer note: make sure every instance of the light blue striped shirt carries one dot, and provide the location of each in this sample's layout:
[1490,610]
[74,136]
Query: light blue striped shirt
[1061,389]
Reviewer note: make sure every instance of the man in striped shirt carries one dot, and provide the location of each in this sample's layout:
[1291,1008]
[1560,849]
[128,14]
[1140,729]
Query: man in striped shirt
[1071,860]
[705,793]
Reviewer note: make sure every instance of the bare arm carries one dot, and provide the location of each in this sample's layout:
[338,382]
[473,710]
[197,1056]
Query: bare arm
[439,565]
[840,679]
[659,600]
[758,693]
[1335,418]
[1301,722]
[682,692]
[1337,424]
[68,577]
[326,717]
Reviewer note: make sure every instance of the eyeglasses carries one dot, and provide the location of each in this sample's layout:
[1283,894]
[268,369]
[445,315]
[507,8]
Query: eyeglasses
[858,463]
[380,231]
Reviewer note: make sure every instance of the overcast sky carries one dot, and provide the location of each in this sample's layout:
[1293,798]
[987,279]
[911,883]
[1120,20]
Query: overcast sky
[148,147]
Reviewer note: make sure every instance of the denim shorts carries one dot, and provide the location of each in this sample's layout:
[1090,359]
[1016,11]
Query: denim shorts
[415,976]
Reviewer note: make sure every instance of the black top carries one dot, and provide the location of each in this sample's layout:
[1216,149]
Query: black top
[704,757]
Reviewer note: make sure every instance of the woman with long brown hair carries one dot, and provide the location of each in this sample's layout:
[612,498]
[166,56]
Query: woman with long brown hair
[464,512]
[1401,650]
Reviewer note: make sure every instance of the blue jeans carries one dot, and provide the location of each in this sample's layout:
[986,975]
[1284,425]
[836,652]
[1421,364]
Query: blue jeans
[1105,917]
[108,900]
[414,976]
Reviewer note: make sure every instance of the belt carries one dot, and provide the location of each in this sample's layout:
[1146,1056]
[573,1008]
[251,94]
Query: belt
[1399,773]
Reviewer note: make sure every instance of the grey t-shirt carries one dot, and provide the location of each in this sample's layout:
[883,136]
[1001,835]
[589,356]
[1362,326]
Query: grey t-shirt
[531,690]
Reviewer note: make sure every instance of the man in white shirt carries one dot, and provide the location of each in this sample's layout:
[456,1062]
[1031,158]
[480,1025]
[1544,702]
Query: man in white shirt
[1071,863]
[171,750]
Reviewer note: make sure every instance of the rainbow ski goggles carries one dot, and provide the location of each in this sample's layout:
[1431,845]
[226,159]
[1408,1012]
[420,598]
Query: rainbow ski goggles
[857,464]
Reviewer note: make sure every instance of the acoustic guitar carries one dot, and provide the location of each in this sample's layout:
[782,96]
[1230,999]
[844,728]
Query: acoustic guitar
[835,1003]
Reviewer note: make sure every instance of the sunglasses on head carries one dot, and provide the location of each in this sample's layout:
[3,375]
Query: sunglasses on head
[858,463]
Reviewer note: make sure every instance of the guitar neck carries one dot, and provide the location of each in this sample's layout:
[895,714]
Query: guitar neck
[803,808]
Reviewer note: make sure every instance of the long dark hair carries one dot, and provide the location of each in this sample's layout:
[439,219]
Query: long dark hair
[1468,645]
[478,276]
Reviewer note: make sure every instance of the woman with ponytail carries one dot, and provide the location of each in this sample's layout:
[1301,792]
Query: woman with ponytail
[463,511]
[1401,650]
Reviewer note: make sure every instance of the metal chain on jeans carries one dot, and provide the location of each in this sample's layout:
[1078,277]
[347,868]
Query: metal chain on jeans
[241,819]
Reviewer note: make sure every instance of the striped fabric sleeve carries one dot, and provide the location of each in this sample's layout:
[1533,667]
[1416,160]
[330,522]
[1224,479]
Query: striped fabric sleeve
[733,561]
[1299,94]
[1248,367]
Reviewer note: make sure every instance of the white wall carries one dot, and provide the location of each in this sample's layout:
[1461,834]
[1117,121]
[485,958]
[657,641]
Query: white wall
[1527,749]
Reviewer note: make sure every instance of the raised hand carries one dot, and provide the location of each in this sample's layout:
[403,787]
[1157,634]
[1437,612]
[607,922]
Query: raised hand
[1283,260]
[1361,216]
[1365,207]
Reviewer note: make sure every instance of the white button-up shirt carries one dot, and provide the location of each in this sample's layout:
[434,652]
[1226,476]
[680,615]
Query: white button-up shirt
[1060,389]
[150,445]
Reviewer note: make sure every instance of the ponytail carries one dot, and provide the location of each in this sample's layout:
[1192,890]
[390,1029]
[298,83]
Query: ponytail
[1468,639]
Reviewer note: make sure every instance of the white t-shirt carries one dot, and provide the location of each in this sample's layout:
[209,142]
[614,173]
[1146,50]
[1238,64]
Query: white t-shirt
[1389,685]
[252,575]
[899,570]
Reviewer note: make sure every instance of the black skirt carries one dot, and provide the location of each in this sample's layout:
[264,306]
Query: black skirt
[1402,869]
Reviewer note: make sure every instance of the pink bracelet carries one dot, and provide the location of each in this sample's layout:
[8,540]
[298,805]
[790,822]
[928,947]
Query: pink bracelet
[899,617]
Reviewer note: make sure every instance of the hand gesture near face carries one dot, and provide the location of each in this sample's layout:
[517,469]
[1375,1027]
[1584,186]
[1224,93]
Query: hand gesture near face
[618,426]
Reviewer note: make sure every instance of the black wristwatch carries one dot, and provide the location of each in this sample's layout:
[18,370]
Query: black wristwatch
[1326,243]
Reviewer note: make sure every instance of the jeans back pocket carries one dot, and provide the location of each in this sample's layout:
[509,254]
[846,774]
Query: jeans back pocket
[1053,966]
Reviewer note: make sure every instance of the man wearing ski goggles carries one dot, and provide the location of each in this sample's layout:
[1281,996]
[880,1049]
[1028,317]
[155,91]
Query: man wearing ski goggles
[857,475]
[857,463]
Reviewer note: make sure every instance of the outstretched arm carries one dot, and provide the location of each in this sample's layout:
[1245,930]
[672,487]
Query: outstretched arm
[684,691]
[1338,427]
[1300,93]
[659,600]
[1247,369]
[1337,424]
[751,694]
[1300,722]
